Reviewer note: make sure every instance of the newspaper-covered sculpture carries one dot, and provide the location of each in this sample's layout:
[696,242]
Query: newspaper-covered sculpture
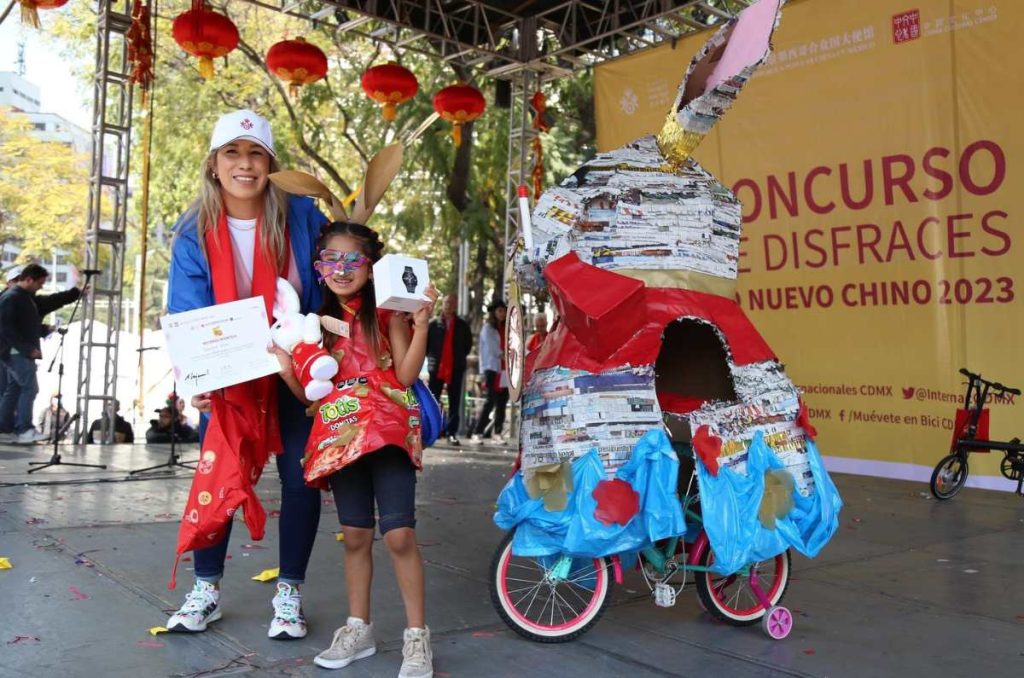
[638,250]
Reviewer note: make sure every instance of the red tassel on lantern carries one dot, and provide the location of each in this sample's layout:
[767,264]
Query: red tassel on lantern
[30,10]
[389,85]
[297,62]
[459,104]
[205,34]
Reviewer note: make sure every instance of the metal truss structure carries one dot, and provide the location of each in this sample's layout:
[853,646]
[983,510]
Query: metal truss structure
[502,37]
[105,235]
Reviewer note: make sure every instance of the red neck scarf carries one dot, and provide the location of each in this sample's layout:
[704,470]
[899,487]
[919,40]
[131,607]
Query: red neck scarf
[445,367]
[243,431]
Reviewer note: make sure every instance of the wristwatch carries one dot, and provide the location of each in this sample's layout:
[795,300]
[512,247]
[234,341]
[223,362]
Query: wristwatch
[410,280]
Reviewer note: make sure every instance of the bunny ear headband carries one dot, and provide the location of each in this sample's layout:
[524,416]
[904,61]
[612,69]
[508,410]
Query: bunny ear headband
[380,172]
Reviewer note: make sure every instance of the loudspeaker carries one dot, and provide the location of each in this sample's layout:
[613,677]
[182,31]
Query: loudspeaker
[503,94]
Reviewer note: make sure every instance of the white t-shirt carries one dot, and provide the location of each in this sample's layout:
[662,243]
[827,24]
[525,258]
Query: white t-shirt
[243,248]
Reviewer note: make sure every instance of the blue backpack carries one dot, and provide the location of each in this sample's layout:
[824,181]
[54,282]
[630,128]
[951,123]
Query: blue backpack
[432,420]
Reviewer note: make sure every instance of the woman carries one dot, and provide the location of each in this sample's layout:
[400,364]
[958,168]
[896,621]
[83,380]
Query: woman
[494,380]
[269,233]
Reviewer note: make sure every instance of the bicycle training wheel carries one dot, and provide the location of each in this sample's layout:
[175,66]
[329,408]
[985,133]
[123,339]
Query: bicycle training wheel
[542,600]
[729,596]
[949,477]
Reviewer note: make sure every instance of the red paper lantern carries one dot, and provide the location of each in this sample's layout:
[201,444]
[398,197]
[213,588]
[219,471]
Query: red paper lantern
[297,62]
[205,34]
[390,85]
[30,9]
[459,104]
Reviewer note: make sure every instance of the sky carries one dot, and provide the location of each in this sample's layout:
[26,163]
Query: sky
[46,68]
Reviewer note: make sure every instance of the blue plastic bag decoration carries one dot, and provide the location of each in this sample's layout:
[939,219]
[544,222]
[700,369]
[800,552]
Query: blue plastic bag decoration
[730,502]
[652,471]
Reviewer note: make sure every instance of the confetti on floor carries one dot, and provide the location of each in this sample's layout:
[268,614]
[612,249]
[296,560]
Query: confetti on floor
[268,575]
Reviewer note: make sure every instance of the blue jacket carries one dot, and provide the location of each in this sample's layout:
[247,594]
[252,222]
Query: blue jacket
[190,283]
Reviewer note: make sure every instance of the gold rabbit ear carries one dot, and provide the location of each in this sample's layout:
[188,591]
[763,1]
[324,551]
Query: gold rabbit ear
[381,171]
[300,183]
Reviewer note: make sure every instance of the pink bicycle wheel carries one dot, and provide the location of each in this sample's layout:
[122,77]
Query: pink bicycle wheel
[731,598]
[538,604]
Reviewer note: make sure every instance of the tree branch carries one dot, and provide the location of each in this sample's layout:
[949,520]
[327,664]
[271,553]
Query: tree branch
[308,149]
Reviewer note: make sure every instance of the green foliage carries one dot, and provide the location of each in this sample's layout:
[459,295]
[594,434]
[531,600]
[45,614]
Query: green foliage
[44,192]
[331,129]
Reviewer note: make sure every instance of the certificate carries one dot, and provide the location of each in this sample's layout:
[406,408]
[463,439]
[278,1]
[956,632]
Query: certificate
[219,345]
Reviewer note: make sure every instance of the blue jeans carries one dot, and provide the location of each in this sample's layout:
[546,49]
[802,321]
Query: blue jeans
[19,395]
[300,504]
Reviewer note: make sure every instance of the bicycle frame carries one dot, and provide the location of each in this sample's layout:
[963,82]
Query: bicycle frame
[967,441]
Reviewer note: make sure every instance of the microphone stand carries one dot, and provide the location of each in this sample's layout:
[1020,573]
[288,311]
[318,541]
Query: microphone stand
[174,460]
[55,459]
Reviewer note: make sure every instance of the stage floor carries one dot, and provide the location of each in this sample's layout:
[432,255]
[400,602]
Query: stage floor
[908,587]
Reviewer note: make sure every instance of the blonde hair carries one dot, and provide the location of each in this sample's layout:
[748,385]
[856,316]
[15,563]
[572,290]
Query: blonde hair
[209,204]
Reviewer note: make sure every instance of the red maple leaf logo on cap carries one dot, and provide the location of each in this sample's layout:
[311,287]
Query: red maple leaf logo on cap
[617,502]
[246,123]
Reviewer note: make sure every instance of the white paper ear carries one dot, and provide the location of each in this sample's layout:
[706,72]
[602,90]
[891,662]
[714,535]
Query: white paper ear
[286,300]
[716,75]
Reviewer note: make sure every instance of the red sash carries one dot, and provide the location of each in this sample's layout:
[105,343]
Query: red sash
[243,431]
[444,368]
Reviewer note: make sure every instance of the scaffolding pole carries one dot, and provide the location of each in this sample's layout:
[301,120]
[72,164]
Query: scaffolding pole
[108,215]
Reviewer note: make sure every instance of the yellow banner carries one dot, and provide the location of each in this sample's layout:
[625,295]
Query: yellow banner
[875,156]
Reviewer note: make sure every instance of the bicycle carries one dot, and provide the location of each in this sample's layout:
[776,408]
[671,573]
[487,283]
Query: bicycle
[970,435]
[573,592]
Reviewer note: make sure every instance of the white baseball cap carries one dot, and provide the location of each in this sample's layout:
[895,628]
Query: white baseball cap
[243,124]
[14,273]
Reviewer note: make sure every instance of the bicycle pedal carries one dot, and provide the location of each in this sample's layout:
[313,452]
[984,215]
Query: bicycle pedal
[664,595]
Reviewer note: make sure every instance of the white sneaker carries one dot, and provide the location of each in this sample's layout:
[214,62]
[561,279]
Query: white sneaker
[201,607]
[352,641]
[417,657]
[288,621]
[475,440]
[30,436]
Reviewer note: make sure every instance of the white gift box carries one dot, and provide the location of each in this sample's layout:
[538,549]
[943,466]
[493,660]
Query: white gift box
[399,282]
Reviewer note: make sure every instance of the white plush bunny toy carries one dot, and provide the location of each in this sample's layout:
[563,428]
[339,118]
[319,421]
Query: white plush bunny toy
[300,336]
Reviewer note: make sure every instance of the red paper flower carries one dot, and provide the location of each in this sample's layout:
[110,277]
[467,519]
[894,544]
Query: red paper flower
[617,502]
[708,447]
[804,420]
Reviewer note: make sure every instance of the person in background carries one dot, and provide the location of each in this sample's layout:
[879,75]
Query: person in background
[10,278]
[168,426]
[179,406]
[494,380]
[54,419]
[540,332]
[449,341]
[123,432]
[21,328]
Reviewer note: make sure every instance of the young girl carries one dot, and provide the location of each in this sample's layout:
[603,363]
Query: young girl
[365,443]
